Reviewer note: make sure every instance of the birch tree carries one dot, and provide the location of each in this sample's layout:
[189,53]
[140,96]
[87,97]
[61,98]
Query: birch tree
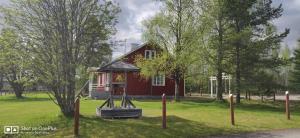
[176,30]
[62,35]
[14,62]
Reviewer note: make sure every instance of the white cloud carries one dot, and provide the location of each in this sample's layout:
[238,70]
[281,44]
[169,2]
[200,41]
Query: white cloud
[130,21]
[290,19]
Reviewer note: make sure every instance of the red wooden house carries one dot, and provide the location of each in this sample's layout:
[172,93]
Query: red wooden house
[122,75]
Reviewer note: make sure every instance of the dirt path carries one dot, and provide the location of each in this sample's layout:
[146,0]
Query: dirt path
[285,133]
[293,97]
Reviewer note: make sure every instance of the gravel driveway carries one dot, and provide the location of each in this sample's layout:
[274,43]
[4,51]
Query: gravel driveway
[285,133]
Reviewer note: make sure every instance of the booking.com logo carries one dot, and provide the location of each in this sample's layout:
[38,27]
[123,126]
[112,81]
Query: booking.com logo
[11,129]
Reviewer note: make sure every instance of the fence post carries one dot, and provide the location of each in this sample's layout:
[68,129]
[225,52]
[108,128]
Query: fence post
[231,109]
[287,105]
[76,117]
[164,121]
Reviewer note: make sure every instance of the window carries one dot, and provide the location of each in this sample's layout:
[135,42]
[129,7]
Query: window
[158,80]
[150,54]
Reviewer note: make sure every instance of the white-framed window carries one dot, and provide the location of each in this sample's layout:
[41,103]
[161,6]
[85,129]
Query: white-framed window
[150,54]
[158,80]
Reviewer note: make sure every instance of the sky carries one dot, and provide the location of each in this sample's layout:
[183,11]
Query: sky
[133,12]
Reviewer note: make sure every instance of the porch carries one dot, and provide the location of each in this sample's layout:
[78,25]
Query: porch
[110,79]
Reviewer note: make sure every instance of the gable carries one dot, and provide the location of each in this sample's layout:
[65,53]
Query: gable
[130,57]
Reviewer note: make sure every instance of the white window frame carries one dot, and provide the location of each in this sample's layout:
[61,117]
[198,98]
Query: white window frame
[101,79]
[157,82]
[152,54]
[107,79]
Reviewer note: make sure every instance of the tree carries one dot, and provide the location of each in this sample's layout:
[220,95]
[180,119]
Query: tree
[256,16]
[14,62]
[217,42]
[285,70]
[62,35]
[1,80]
[296,71]
[175,30]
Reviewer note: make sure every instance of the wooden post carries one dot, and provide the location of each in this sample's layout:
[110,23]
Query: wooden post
[76,117]
[125,90]
[164,118]
[287,105]
[231,109]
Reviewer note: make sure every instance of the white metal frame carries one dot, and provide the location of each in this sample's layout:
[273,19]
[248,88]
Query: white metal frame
[212,84]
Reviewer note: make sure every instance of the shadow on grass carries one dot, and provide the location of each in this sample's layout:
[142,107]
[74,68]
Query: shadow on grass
[193,99]
[92,126]
[252,106]
[144,127]
[268,106]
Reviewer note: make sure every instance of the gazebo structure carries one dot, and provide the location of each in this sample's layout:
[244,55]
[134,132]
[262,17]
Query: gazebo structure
[214,86]
[119,68]
[109,78]
[127,108]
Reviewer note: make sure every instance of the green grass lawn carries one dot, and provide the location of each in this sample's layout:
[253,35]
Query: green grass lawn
[188,118]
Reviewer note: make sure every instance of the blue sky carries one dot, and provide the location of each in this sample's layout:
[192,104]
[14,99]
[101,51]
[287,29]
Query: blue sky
[135,11]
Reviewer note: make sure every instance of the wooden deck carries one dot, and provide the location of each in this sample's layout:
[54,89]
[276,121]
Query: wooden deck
[118,112]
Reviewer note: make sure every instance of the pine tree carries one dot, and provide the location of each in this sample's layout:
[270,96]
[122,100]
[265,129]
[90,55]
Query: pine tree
[296,72]
[256,16]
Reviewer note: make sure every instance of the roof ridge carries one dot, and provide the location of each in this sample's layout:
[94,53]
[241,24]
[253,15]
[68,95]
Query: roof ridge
[126,54]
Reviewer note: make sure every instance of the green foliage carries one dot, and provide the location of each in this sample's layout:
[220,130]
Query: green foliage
[261,62]
[256,42]
[14,61]
[296,70]
[177,31]
[63,38]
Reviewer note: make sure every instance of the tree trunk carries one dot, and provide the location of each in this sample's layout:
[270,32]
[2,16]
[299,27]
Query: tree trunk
[249,96]
[18,94]
[1,81]
[66,104]
[176,97]
[18,89]
[220,86]
[238,77]
[65,91]
[220,59]
[246,95]
[274,96]
[68,110]
[199,87]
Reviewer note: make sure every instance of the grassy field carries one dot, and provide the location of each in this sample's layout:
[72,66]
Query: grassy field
[189,118]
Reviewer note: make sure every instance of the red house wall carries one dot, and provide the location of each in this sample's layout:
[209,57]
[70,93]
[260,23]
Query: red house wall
[138,85]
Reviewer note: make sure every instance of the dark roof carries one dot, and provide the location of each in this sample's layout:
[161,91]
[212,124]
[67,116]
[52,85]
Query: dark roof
[139,47]
[119,66]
